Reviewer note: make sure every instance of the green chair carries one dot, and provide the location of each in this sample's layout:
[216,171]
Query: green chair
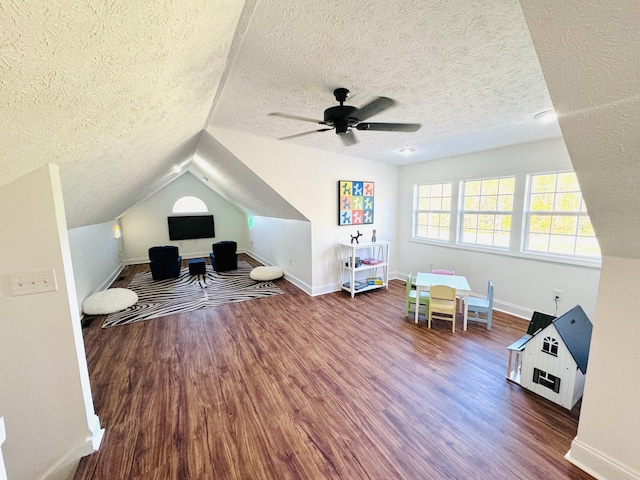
[411,298]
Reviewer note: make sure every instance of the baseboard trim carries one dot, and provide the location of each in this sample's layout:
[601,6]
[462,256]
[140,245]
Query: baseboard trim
[287,275]
[512,309]
[97,434]
[112,278]
[597,464]
[3,437]
[66,466]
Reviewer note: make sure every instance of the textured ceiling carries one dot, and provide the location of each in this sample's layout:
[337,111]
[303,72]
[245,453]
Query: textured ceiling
[466,70]
[117,93]
[594,80]
[113,92]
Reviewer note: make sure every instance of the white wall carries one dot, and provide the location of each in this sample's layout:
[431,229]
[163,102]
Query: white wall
[45,396]
[609,429]
[285,243]
[95,257]
[145,225]
[522,284]
[308,179]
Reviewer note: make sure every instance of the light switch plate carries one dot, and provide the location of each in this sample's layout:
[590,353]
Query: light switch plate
[37,281]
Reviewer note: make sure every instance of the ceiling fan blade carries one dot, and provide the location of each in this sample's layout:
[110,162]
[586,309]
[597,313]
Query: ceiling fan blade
[305,133]
[348,138]
[390,127]
[371,108]
[296,117]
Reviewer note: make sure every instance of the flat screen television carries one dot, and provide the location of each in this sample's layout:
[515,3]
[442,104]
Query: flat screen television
[190,227]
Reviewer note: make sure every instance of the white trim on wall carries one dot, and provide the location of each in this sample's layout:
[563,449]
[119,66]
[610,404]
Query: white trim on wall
[3,437]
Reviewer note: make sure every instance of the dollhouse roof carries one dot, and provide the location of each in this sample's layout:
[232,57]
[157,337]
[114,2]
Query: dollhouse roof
[539,321]
[575,329]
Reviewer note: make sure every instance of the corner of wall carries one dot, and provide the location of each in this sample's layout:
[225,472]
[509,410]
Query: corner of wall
[597,464]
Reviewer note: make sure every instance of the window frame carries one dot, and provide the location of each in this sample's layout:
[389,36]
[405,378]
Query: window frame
[185,199]
[462,211]
[554,213]
[417,212]
[547,380]
[550,345]
[518,222]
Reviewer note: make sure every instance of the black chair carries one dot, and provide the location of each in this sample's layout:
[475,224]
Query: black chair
[165,262]
[223,256]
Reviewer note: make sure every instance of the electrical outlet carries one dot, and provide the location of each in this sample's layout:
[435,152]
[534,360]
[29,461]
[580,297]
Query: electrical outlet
[27,283]
[557,295]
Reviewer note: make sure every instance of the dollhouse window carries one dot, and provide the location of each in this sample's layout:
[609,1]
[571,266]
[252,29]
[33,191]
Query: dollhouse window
[550,346]
[546,380]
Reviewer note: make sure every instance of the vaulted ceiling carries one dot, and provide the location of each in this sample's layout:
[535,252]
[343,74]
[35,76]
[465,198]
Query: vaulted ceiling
[118,93]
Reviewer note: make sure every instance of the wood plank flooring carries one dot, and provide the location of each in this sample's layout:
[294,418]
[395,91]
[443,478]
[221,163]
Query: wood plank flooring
[329,387]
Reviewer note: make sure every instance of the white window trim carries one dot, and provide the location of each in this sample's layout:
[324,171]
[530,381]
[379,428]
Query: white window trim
[527,213]
[460,212]
[191,198]
[518,224]
[452,219]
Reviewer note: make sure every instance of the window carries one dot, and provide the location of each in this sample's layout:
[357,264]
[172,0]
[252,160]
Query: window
[433,211]
[546,380]
[550,346]
[189,205]
[486,211]
[557,220]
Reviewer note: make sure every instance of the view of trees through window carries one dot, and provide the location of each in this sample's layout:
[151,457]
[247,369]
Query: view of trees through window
[557,220]
[486,211]
[551,219]
[433,212]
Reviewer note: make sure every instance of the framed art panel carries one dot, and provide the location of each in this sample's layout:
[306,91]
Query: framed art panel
[355,202]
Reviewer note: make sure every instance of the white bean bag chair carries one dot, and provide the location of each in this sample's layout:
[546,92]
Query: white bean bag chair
[262,274]
[109,301]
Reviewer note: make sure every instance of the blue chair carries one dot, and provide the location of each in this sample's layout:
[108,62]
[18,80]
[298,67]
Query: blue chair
[165,262]
[482,306]
[223,256]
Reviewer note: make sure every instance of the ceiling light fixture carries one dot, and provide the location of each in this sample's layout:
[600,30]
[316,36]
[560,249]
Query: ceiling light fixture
[546,117]
[407,150]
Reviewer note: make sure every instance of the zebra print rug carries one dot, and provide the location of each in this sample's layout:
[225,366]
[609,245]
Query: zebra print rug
[190,292]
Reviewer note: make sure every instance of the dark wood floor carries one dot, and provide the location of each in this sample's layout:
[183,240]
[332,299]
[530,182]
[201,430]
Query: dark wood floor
[330,387]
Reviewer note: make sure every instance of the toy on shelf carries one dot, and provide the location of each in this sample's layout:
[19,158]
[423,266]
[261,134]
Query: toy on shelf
[356,237]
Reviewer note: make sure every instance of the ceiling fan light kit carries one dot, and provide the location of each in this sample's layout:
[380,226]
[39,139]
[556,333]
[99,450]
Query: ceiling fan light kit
[343,118]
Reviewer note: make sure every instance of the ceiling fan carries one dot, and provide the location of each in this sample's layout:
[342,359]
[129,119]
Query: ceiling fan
[344,118]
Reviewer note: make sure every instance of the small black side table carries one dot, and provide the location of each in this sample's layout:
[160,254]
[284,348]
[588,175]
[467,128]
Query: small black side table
[197,266]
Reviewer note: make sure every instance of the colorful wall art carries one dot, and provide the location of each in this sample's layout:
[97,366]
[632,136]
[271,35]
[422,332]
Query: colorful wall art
[355,202]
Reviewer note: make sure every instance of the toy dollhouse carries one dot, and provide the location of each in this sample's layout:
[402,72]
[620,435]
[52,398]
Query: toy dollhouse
[551,358]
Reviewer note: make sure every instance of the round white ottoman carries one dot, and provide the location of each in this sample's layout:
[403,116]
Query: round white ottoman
[262,274]
[109,301]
